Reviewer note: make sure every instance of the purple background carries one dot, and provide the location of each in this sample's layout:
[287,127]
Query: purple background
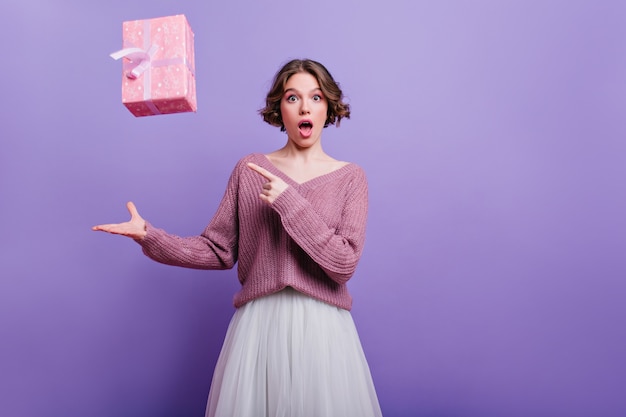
[493,134]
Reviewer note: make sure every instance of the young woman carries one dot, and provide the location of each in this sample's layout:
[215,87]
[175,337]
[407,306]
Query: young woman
[294,222]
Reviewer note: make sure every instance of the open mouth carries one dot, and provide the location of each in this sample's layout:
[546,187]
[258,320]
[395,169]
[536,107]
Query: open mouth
[305,127]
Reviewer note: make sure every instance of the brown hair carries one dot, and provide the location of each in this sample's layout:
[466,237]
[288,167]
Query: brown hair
[337,109]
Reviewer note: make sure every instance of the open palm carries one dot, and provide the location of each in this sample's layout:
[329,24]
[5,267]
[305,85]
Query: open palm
[134,228]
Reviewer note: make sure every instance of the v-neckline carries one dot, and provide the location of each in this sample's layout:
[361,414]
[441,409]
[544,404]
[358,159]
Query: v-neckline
[315,180]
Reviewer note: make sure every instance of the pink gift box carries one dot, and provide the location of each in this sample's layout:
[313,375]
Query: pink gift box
[158,63]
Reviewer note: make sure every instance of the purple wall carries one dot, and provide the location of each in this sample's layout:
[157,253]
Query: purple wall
[493,134]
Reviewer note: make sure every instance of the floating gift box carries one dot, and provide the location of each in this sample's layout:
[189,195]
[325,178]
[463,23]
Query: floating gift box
[158,66]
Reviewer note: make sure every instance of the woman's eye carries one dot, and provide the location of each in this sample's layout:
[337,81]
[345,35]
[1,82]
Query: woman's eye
[317,97]
[292,98]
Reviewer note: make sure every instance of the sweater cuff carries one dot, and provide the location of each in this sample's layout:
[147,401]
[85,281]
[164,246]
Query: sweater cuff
[150,239]
[289,203]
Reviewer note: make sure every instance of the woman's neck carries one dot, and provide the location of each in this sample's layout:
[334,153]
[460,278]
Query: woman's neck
[307,155]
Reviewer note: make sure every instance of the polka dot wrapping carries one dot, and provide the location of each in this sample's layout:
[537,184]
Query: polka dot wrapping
[168,85]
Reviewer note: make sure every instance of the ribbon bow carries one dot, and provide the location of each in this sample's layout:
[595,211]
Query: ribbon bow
[138,57]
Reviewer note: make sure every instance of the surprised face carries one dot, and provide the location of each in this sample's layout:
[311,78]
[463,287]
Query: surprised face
[303,109]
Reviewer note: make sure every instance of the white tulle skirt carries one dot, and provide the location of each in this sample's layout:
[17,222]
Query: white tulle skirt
[289,355]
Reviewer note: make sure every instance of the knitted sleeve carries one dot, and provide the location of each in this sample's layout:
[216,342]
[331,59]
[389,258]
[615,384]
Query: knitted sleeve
[336,250]
[215,248]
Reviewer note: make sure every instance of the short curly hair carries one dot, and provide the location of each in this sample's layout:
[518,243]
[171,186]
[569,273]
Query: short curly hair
[337,108]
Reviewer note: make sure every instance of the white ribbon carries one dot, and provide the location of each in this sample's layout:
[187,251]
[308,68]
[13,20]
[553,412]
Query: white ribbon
[138,57]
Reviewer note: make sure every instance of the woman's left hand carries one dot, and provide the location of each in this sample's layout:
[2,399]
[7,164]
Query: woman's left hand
[273,187]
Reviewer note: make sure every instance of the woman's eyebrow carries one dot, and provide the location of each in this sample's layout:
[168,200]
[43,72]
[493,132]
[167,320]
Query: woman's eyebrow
[298,91]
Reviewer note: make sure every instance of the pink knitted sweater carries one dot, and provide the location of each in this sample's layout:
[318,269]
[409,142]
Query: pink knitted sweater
[309,239]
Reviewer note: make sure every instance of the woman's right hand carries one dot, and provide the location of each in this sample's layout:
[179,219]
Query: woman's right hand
[134,228]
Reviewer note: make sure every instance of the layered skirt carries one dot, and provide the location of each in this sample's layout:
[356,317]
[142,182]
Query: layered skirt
[289,355]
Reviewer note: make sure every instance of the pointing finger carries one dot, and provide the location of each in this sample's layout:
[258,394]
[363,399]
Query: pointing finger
[264,172]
